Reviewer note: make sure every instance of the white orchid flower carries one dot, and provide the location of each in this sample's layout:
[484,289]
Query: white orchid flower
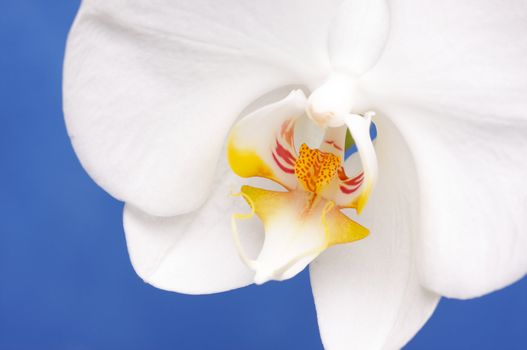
[153,97]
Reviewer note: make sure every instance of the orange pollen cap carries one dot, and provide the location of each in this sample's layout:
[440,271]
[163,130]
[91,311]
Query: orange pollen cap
[315,169]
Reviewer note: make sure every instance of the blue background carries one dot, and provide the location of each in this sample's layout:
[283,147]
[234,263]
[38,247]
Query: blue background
[66,281]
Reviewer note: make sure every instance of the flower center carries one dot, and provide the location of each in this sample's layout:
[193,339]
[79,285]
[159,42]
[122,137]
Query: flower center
[315,169]
[305,218]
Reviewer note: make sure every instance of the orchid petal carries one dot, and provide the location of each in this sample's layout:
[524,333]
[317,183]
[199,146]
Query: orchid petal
[152,88]
[368,294]
[473,201]
[459,69]
[193,253]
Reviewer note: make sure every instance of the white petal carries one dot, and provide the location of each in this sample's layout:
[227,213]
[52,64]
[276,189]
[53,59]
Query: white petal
[473,200]
[367,293]
[151,88]
[358,35]
[456,55]
[193,253]
[458,68]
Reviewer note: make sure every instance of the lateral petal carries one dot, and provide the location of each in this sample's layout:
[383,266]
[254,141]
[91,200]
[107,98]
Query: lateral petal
[473,199]
[152,88]
[453,78]
[368,294]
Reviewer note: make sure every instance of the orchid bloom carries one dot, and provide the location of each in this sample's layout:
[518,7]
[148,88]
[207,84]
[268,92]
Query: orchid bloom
[380,142]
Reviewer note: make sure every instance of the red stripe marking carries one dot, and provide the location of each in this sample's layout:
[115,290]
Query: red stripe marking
[344,178]
[355,181]
[284,169]
[284,154]
[349,191]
